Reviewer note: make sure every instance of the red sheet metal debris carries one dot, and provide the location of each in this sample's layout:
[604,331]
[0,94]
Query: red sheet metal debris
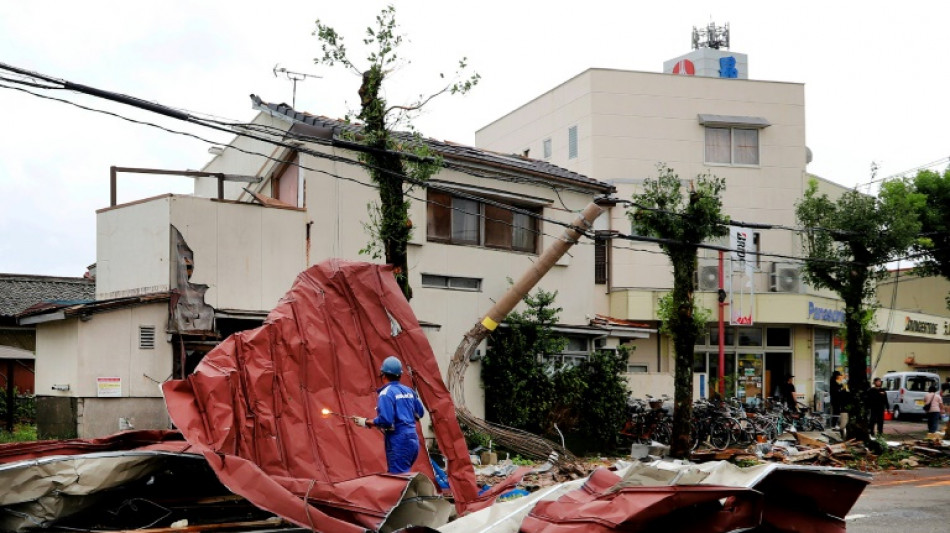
[253,405]
[599,506]
[142,440]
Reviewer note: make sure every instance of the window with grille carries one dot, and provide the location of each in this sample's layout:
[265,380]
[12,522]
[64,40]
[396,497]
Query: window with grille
[436,281]
[146,337]
[463,221]
[600,260]
[732,146]
[572,142]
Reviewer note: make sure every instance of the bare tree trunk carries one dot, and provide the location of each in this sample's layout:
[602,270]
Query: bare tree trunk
[684,340]
[386,170]
[857,346]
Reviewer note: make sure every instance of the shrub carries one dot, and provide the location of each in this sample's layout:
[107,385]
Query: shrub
[526,389]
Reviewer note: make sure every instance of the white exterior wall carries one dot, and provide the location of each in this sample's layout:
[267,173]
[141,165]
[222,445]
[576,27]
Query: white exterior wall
[247,254]
[57,361]
[132,248]
[77,352]
[630,121]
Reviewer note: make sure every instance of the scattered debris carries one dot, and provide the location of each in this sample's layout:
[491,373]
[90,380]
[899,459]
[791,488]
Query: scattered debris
[827,449]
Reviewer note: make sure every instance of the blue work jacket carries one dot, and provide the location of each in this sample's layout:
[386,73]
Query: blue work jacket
[397,408]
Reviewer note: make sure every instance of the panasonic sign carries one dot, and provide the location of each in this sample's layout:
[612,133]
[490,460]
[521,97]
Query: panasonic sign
[825,315]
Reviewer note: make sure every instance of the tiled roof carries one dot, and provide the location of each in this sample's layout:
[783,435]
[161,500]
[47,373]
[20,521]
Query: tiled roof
[20,291]
[448,150]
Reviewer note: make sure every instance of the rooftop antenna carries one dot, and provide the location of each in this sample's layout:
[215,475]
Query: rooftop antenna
[294,77]
[711,36]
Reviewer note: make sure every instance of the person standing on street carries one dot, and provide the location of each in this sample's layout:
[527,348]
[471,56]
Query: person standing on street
[397,409]
[788,393]
[934,402]
[877,403]
[839,399]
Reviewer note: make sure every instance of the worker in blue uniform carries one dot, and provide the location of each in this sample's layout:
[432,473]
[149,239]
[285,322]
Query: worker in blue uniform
[397,409]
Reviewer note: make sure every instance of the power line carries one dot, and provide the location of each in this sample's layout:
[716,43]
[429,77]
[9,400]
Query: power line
[941,161]
[180,115]
[429,185]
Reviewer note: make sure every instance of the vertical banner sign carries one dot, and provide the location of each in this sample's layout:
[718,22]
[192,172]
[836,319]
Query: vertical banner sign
[742,295]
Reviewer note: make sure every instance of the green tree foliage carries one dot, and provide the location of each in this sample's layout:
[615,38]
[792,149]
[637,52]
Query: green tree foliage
[518,390]
[525,389]
[602,408]
[935,222]
[389,156]
[847,244]
[683,219]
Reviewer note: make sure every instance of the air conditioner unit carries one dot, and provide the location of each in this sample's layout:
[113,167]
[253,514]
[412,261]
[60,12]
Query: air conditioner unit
[786,277]
[707,274]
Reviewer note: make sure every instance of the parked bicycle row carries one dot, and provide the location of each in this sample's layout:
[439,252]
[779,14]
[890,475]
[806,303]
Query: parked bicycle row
[717,425]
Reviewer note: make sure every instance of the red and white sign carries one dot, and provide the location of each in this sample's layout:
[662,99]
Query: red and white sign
[684,67]
[109,387]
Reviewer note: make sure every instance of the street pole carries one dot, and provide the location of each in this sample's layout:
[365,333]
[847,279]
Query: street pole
[722,340]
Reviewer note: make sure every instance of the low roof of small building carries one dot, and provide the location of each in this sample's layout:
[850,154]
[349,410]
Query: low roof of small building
[21,291]
[61,310]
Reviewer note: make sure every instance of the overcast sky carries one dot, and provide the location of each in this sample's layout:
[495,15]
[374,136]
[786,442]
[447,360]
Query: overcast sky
[875,77]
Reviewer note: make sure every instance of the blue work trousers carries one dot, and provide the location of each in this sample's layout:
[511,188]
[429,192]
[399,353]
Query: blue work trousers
[402,448]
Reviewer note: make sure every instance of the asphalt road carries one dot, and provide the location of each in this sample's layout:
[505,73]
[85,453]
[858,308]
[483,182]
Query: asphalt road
[904,501]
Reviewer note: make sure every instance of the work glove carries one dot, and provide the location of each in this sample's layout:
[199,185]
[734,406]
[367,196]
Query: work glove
[360,421]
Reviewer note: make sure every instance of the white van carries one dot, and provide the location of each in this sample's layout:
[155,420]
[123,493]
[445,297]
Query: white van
[906,391]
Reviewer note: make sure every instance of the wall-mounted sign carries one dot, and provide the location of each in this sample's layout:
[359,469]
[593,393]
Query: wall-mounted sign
[742,259]
[825,315]
[684,67]
[108,387]
[919,326]
[727,67]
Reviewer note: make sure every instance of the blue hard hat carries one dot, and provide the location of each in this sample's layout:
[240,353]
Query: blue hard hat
[391,366]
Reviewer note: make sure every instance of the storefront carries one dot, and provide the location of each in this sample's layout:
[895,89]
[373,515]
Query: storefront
[757,359]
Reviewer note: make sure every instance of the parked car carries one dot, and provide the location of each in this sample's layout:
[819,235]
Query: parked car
[906,391]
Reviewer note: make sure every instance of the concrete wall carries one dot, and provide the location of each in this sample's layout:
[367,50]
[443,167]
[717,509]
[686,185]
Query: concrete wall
[652,383]
[97,417]
[56,417]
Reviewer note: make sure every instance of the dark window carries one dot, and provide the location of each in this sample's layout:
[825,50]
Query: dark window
[778,337]
[750,336]
[462,221]
[600,260]
[498,227]
[439,216]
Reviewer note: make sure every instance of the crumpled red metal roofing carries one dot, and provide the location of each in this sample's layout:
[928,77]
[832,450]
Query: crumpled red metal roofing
[253,405]
[599,506]
[142,440]
[787,499]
